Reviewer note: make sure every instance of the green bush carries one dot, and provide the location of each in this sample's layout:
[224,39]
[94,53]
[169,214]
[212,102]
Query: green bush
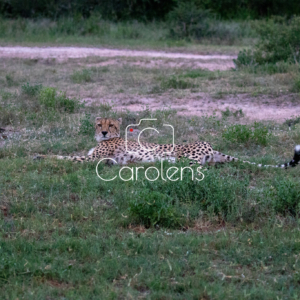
[188,21]
[285,196]
[245,134]
[279,41]
[245,58]
[144,9]
[296,85]
[31,90]
[211,195]
[151,208]
[50,98]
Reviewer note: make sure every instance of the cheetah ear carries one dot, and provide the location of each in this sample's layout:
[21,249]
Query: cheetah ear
[120,120]
[97,119]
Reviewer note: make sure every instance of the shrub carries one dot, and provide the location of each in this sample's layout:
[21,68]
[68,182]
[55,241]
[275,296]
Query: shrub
[31,90]
[214,194]
[279,41]
[285,195]
[245,58]
[296,85]
[50,98]
[151,208]
[84,75]
[188,21]
[244,134]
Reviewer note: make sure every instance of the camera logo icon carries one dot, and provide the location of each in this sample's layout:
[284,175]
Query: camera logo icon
[130,128]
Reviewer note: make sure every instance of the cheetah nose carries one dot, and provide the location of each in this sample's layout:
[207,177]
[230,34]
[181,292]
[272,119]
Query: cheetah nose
[104,133]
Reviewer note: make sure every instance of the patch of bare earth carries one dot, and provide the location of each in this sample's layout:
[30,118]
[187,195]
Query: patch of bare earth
[260,108]
[210,62]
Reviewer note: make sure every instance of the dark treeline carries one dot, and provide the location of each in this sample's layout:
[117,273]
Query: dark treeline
[145,9]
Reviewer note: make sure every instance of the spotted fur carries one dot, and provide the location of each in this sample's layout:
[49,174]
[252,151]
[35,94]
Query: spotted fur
[112,146]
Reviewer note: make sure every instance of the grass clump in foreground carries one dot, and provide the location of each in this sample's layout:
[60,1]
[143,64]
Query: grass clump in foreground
[66,232]
[78,236]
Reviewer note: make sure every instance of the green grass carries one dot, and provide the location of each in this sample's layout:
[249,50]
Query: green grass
[134,35]
[245,134]
[82,76]
[136,76]
[65,234]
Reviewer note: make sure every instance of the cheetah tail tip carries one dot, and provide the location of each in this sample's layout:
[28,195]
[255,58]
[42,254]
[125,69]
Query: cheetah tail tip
[296,158]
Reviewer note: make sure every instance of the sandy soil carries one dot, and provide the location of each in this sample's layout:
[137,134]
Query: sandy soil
[211,62]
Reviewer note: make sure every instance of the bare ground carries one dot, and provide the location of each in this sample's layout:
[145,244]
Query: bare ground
[211,62]
[259,108]
[262,107]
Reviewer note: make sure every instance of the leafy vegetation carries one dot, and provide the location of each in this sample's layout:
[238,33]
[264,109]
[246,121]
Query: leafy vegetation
[279,42]
[95,30]
[244,134]
[50,98]
[145,10]
[153,208]
[187,21]
[31,90]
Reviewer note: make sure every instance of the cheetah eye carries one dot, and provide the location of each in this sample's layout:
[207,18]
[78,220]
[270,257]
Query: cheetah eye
[111,125]
[99,125]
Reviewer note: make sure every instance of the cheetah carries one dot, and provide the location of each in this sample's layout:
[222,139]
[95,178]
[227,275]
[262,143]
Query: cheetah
[119,151]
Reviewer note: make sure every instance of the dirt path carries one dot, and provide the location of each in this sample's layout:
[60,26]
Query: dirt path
[211,62]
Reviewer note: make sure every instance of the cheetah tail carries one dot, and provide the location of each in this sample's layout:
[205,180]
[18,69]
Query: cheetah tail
[222,158]
[77,159]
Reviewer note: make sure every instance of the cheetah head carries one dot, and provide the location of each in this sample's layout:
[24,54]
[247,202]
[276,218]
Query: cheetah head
[107,128]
